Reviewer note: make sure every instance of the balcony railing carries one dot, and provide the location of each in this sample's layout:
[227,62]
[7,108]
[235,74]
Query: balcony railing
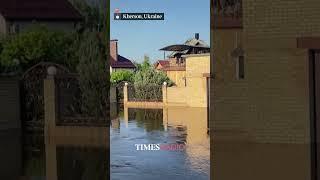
[227,13]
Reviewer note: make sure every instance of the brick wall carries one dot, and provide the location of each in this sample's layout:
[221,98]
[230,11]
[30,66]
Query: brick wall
[276,69]
[196,67]
[176,96]
[261,123]
[114,49]
[178,77]
[194,94]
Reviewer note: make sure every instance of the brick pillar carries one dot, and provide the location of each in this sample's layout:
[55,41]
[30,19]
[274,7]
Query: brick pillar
[126,116]
[165,118]
[51,161]
[164,94]
[49,101]
[125,94]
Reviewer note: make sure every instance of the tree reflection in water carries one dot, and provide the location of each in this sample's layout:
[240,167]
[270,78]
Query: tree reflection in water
[149,119]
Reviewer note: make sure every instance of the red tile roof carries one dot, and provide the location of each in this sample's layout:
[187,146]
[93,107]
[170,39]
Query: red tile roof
[38,10]
[122,62]
[174,68]
[163,63]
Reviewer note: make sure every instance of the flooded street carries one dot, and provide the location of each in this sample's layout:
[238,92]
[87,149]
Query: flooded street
[72,153]
[187,126]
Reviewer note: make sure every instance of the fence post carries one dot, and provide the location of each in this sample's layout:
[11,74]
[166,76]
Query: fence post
[49,100]
[164,94]
[125,93]
[126,116]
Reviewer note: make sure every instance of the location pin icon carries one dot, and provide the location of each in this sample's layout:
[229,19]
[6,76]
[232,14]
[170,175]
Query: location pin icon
[116,13]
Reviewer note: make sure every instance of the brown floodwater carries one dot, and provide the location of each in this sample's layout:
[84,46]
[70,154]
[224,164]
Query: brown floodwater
[82,153]
[67,153]
[186,126]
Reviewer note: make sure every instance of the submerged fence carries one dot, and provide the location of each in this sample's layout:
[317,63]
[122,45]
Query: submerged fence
[66,105]
[148,93]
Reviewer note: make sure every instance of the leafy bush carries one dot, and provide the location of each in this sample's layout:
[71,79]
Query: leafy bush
[148,83]
[95,15]
[121,76]
[38,44]
[94,75]
[151,77]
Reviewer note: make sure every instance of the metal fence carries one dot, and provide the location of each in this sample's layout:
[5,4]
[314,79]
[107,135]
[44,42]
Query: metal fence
[152,93]
[71,108]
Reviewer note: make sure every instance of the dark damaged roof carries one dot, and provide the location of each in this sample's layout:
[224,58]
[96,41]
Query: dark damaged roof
[186,48]
[122,62]
[38,10]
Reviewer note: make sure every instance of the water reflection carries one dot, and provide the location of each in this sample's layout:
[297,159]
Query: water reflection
[77,153]
[63,153]
[10,154]
[160,126]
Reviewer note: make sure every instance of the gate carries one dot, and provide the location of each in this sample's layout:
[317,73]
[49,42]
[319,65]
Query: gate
[32,102]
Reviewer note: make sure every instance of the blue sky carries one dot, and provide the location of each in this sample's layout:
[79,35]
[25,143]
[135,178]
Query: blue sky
[183,18]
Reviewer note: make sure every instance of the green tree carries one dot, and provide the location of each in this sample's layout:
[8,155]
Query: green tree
[94,75]
[37,44]
[151,77]
[95,14]
[148,82]
[120,76]
[145,65]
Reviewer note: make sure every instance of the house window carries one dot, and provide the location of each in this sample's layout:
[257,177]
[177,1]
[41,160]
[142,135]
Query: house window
[240,67]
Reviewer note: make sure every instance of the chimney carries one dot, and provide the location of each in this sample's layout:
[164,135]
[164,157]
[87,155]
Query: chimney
[114,49]
[197,36]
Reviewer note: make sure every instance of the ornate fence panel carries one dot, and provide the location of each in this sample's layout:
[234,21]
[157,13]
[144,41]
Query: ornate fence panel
[71,107]
[152,93]
[32,103]
[32,95]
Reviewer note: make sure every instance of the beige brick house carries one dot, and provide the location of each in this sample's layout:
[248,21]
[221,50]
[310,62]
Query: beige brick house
[264,115]
[175,65]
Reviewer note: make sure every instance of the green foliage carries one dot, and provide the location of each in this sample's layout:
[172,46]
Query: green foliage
[94,15]
[121,76]
[38,44]
[94,75]
[145,65]
[20,51]
[151,77]
[146,75]
[148,83]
